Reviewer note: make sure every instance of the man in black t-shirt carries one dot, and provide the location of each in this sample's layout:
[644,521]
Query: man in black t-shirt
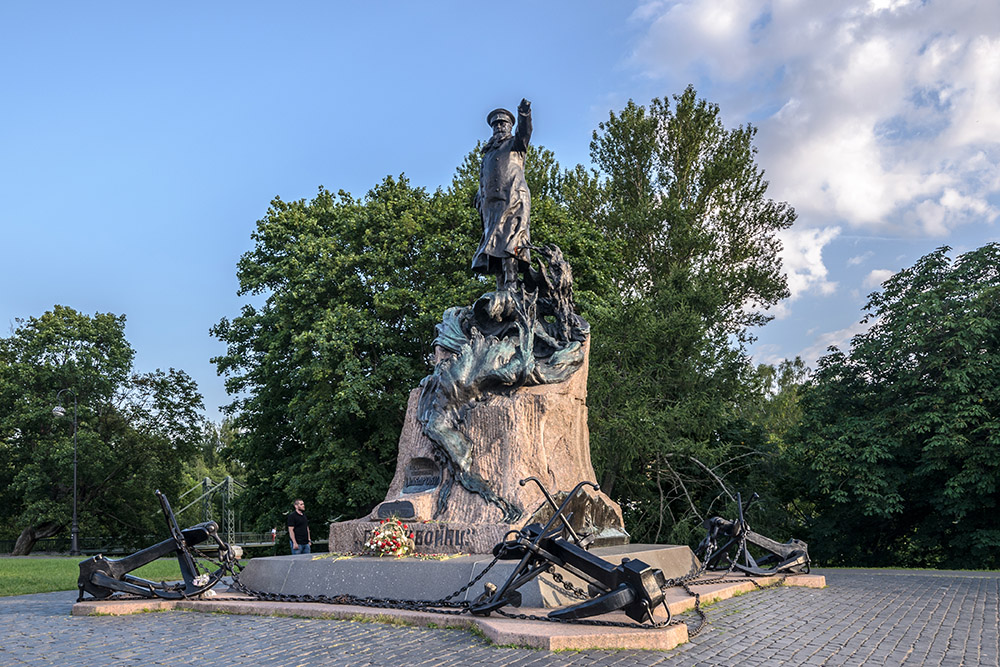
[298,528]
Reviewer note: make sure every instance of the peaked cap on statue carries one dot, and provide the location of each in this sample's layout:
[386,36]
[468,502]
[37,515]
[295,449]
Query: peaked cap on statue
[494,115]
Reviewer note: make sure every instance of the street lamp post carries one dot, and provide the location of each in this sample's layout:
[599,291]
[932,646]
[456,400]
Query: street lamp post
[59,411]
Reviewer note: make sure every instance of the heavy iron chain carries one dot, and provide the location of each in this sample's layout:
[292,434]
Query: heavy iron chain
[574,591]
[686,582]
[449,606]
[445,605]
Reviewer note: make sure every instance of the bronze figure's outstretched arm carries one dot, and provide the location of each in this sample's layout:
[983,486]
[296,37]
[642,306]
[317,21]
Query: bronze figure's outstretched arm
[523,133]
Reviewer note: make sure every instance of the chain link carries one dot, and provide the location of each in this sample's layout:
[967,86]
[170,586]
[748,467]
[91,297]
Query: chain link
[446,606]
[574,591]
[449,606]
[686,583]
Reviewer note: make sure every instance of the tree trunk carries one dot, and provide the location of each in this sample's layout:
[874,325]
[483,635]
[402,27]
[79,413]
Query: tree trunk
[26,540]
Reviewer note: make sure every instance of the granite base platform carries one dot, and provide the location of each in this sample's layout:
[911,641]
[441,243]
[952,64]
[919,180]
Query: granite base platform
[499,630]
[419,579]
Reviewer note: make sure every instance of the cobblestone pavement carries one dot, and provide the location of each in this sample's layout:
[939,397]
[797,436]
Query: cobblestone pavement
[876,617]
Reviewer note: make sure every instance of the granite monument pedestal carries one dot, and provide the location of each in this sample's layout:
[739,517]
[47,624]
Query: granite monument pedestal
[535,431]
[429,579]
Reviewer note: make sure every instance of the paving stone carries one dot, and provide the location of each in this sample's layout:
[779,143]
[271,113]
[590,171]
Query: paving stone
[862,617]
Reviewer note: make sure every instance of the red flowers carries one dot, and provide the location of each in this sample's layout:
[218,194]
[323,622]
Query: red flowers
[390,538]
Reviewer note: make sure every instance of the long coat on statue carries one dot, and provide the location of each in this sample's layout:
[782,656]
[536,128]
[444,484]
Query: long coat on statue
[503,200]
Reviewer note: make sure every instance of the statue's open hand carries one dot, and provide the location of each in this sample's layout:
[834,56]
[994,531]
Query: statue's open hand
[524,106]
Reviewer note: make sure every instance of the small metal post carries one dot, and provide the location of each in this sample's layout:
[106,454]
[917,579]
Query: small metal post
[74,544]
[58,411]
[206,485]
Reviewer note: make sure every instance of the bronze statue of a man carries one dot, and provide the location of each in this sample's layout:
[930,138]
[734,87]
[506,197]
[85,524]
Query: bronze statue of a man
[503,200]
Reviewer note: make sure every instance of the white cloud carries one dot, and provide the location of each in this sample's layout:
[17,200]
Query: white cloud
[840,339]
[860,259]
[877,277]
[768,354]
[883,116]
[802,260]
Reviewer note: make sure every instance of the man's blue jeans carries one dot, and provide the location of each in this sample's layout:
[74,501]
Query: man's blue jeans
[303,549]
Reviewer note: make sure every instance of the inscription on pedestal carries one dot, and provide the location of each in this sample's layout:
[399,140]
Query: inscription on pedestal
[401,508]
[422,474]
[439,536]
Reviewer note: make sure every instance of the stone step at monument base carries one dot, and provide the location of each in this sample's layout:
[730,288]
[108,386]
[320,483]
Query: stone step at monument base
[428,579]
[499,630]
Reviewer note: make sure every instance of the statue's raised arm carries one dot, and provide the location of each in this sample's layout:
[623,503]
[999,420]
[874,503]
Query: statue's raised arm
[523,133]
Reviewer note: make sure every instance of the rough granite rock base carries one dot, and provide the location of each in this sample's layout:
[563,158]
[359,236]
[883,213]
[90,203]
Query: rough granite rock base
[538,431]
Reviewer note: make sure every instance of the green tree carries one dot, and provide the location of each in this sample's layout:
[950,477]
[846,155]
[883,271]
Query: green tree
[777,409]
[899,435]
[133,429]
[684,208]
[768,417]
[210,460]
[322,369]
[672,246]
[321,372]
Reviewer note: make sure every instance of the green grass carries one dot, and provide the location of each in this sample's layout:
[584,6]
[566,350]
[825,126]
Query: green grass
[385,619]
[140,611]
[21,576]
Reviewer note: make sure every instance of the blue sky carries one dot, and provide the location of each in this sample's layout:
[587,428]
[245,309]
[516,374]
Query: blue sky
[139,144]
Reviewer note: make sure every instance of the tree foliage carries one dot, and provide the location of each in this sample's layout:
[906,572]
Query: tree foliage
[672,245]
[134,430]
[768,415]
[899,435]
[322,369]
[352,291]
[684,207]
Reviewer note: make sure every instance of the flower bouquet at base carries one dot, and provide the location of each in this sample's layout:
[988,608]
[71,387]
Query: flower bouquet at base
[391,537]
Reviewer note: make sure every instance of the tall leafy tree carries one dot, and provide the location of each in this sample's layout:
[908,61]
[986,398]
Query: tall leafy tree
[321,370]
[352,290]
[777,408]
[768,416]
[674,256]
[900,434]
[210,460]
[683,205]
[133,429]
